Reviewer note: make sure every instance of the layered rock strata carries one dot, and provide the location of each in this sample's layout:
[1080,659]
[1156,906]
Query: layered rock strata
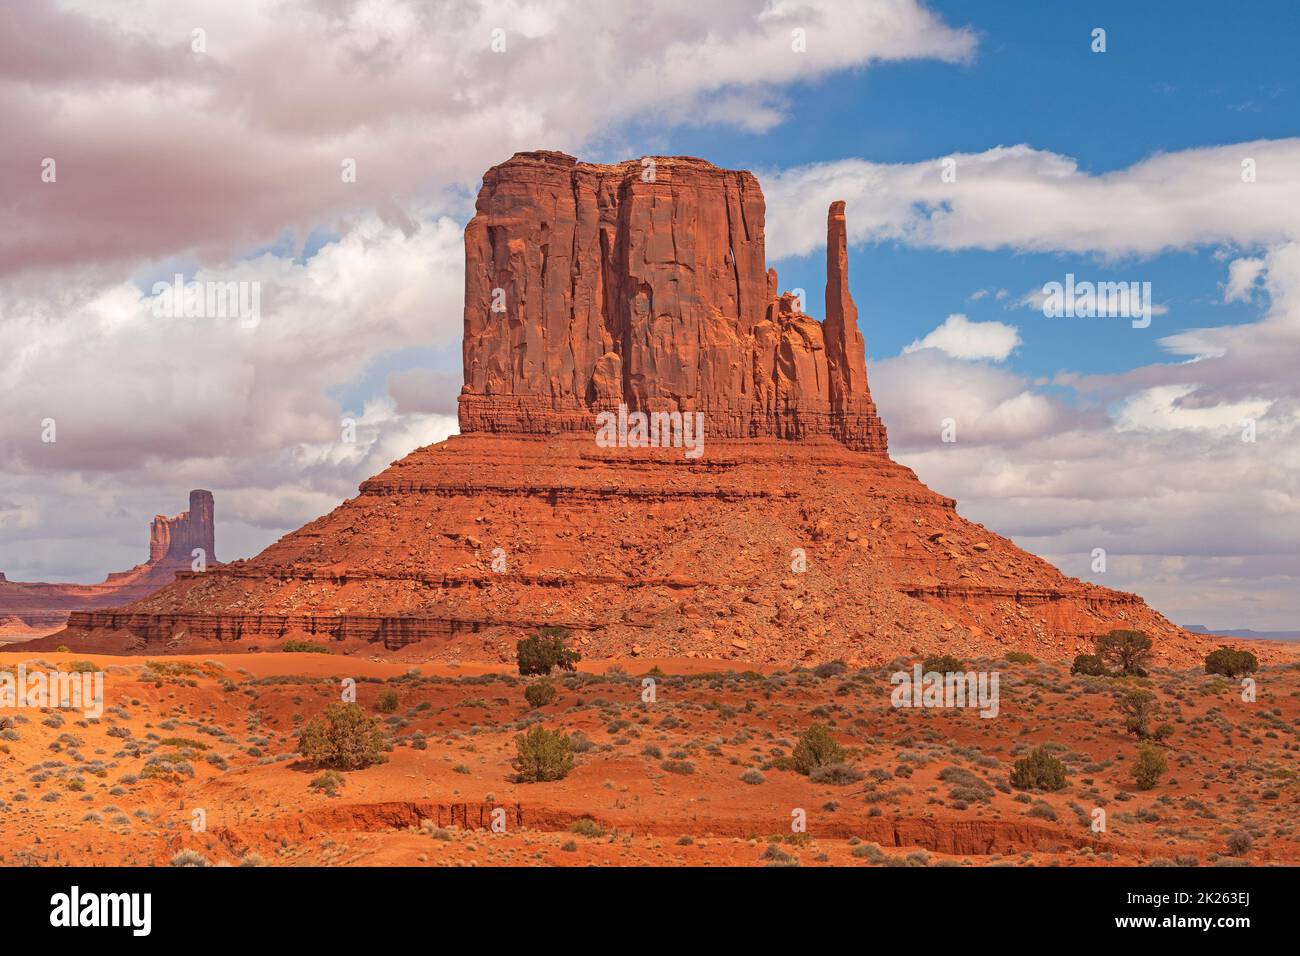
[791,538]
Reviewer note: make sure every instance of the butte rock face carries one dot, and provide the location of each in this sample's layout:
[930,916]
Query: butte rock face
[645,283]
[34,608]
[792,538]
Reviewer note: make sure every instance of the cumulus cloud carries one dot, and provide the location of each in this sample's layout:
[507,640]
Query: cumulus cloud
[1187,473]
[1033,200]
[961,338]
[159,148]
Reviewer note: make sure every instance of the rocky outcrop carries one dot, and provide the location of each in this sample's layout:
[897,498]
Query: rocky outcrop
[177,538]
[792,538]
[30,609]
[645,283]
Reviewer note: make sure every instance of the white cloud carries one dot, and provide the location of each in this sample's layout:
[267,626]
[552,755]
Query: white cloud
[964,339]
[1161,408]
[162,150]
[1243,276]
[1149,463]
[1031,200]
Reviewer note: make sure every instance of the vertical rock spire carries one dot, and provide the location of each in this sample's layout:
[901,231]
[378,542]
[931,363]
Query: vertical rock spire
[845,350]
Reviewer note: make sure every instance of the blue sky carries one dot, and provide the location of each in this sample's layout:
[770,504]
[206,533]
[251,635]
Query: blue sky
[1212,74]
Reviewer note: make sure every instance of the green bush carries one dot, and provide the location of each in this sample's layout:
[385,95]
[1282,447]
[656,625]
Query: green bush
[1138,706]
[539,694]
[816,748]
[1127,651]
[942,664]
[545,651]
[1231,663]
[344,737]
[1039,771]
[544,755]
[1019,657]
[304,647]
[1088,664]
[387,702]
[1150,767]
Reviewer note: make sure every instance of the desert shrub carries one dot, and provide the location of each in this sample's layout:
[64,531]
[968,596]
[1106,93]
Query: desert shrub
[587,827]
[1239,842]
[942,664]
[189,858]
[831,669]
[816,747]
[544,755]
[1019,657]
[1089,665]
[1163,732]
[1038,771]
[304,647]
[965,786]
[545,651]
[387,702]
[837,774]
[251,859]
[683,767]
[1127,651]
[1149,768]
[1138,706]
[539,694]
[774,854]
[752,777]
[328,782]
[344,737]
[869,851]
[1231,663]
[1042,810]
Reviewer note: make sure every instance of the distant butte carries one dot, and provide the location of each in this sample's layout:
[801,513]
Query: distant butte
[30,609]
[793,538]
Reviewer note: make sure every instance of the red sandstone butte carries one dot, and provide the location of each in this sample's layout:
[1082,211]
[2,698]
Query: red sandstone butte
[646,284]
[793,538]
[34,608]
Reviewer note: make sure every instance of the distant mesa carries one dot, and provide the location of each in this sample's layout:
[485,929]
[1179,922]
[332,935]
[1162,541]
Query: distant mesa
[32,609]
[793,539]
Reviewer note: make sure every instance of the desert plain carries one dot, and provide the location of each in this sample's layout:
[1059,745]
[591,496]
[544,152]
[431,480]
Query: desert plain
[194,762]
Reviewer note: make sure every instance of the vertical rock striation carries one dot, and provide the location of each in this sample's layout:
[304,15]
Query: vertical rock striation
[645,283]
